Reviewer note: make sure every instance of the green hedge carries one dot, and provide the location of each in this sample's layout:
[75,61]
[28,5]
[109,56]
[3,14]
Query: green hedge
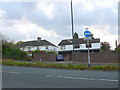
[43,51]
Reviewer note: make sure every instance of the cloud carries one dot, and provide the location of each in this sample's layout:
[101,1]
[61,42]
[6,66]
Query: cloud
[52,20]
[2,12]
[47,8]
[24,29]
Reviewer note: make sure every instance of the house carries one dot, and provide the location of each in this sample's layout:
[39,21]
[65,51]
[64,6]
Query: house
[37,45]
[66,46]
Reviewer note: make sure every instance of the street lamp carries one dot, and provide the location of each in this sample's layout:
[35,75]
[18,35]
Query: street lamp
[72,28]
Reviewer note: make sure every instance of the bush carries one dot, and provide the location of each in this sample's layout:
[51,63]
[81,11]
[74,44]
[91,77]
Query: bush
[18,54]
[11,52]
[43,51]
[117,49]
[51,52]
[36,51]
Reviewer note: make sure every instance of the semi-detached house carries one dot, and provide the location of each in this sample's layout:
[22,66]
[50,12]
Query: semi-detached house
[66,46]
[37,45]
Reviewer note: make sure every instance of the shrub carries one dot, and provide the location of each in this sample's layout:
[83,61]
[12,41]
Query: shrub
[36,51]
[51,52]
[10,51]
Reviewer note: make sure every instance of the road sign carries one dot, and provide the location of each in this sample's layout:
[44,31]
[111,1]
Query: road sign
[87,38]
[87,33]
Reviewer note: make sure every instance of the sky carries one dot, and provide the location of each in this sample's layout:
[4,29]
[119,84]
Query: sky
[51,19]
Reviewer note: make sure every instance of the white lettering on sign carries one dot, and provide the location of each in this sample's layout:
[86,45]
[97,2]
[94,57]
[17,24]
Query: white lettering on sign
[87,33]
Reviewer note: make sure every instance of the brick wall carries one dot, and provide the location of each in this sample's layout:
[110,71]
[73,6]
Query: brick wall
[95,57]
[68,57]
[44,56]
[79,57]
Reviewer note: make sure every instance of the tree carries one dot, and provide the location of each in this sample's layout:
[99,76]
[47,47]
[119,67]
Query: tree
[10,51]
[19,42]
[75,35]
[91,36]
[105,47]
[117,49]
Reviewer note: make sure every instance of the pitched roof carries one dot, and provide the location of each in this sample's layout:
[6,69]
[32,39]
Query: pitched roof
[77,41]
[35,43]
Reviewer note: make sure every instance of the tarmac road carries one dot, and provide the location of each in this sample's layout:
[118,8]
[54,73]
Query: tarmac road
[29,77]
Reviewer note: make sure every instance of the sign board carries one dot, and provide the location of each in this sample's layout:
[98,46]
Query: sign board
[87,38]
[87,33]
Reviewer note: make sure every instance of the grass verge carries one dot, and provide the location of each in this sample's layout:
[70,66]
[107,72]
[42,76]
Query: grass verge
[61,66]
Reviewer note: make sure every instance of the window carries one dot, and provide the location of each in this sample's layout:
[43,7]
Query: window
[76,46]
[88,45]
[38,48]
[46,47]
[62,47]
[29,48]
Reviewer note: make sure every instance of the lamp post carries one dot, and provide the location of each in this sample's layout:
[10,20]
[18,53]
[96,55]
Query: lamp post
[72,29]
[72,19]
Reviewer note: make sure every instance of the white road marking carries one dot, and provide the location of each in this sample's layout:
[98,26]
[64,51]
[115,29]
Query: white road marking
[83,78]
[11,72]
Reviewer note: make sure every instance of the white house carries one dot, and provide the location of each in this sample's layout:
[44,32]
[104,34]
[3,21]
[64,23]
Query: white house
[37,45]
[79,45]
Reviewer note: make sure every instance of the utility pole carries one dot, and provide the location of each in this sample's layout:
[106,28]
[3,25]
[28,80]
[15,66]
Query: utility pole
[72,19]
[72,30]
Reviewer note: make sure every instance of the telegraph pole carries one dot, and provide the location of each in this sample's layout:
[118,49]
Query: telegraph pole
[72,28]
[72,19]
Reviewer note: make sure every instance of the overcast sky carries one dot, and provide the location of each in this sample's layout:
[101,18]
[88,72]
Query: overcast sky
[51,20]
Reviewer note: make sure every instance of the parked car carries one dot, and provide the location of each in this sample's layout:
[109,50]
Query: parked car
[59,57]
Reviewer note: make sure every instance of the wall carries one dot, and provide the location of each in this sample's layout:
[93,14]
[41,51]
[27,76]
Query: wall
[68,57]
[42,56]
[79,57]
[95,57]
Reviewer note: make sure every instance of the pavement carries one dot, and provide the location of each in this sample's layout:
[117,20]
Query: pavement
[31,77]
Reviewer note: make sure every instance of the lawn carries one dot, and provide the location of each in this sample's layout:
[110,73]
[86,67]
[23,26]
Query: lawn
[61,66]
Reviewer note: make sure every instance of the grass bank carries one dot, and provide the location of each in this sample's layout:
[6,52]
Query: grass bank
[61,66]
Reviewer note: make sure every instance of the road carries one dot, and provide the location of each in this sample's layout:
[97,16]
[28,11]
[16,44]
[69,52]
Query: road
[29,77]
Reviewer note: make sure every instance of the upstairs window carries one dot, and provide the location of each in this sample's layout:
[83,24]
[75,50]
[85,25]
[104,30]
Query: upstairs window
[76,46]
[38,48]
[62,47]
[46,47]
[88,45]
[29,48]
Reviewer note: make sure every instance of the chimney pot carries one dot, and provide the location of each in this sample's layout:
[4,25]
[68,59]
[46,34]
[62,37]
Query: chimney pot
[39,38]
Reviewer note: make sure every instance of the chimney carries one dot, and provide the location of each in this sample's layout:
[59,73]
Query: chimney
[39,39]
